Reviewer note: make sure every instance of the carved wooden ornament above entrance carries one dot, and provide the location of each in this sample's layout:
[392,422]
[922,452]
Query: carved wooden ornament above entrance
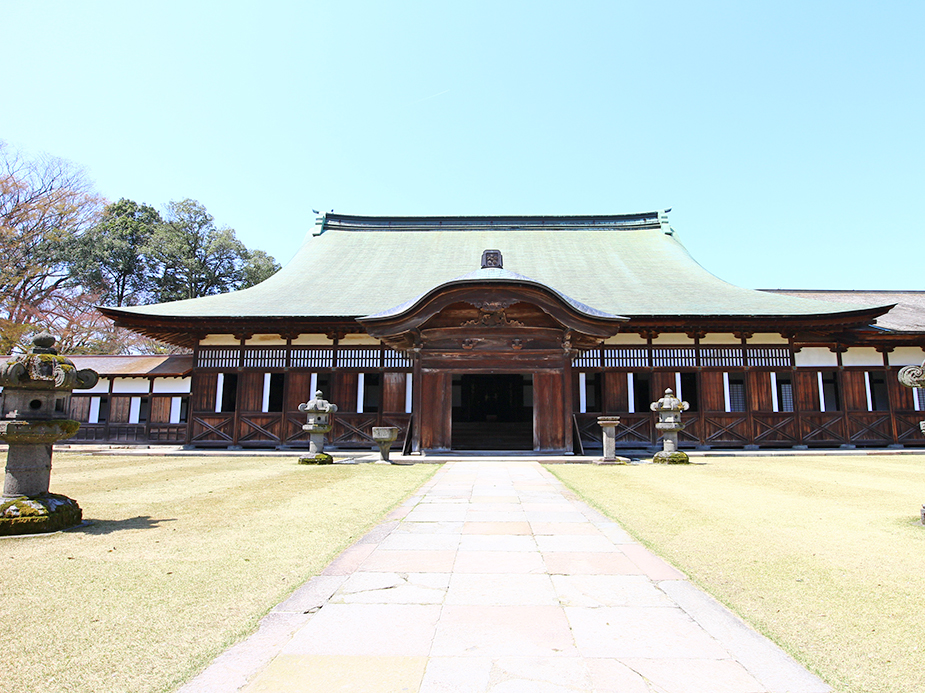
[492,311]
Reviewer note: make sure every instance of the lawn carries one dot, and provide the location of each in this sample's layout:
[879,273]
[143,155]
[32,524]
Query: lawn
[183,557]
[825,555]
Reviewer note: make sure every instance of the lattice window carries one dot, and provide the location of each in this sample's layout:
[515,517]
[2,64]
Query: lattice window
[721,356]
[358,358]
[736,394]
[589,359]
[312,357]
[219,358]
[673,357]
[919,394]
[784,396]
[769,357]
[626,357]
[265,358]
[395,359]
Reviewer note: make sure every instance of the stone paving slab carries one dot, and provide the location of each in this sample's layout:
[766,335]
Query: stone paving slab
[494,578]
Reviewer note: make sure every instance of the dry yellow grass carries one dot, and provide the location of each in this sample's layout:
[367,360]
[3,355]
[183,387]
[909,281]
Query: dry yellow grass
[183,556]
[826,555]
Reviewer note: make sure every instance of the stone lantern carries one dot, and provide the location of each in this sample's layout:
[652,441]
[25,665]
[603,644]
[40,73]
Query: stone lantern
[320,421]
[669,410]
[608,426]
[383,437]
[33,416]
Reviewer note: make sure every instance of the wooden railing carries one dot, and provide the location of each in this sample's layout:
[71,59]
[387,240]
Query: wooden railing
[633,431]
[130,433]
[637,430]
[765,429]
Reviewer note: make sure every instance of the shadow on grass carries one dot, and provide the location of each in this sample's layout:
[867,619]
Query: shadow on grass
[110,526]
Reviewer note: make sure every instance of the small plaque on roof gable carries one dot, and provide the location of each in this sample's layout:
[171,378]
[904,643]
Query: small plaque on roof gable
[492,259]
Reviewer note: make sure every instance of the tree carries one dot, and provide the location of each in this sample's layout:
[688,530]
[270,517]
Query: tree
[44,203]
[257,267]
[64,252]
[190,257]
[108,259]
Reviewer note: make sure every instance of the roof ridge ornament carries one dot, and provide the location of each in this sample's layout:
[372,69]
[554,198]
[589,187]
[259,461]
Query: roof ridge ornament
[491,259]
[664,223]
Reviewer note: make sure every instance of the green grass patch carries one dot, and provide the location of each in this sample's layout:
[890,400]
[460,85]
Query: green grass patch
[825,555]
[183,557]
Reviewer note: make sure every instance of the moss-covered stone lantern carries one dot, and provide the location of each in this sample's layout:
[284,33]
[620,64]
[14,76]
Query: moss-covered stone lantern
[33,416]
[320,420]
[669,410]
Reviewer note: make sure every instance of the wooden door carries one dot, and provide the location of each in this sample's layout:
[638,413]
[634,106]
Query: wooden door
[436,410]
[552,429]
[615,392]
[759,391]
[393,392]
[712,391]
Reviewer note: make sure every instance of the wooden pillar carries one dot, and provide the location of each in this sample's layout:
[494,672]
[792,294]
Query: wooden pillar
[795,392]
[416,395]
[747,381]
[890,378]
[237,397]
[567,408]
[436,410]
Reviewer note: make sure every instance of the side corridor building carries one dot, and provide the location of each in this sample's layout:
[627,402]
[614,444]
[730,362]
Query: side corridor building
[513,333]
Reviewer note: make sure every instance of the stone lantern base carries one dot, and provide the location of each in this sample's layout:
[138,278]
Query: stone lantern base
[676,457]
[317,458]
[48,512]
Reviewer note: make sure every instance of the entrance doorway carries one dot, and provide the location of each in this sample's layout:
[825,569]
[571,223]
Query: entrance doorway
[492,412]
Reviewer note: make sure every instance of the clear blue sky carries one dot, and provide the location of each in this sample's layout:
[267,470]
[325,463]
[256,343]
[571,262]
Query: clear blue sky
[786,136]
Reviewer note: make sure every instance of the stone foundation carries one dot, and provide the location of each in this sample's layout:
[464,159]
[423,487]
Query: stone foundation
[49,512]
[676,457]
[320,458]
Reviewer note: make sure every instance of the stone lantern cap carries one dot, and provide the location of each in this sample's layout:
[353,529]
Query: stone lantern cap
[36,385]
[319,411]
[669,403]
[669,410]
[318,404]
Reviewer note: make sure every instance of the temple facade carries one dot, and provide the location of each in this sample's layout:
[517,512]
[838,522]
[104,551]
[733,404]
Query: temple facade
[514,333]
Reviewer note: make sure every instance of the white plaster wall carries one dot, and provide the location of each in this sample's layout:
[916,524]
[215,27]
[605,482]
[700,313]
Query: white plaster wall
[101,388]
[265,340]
[130,385]
[715,338]
[219,340]
[628,339]
[219,392]
[175,410]
[172,385]
[134,410]
[810,357]
[359,340]
[862,356]
[906,356]
[582,393]
[673,339]
[767,338]
[265,405]
[94,416]
[311,340]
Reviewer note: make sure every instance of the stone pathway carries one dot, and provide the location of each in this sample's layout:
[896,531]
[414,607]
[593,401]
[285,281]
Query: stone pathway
[496,578]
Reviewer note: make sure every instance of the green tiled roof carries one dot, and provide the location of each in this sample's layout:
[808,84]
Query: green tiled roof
[629,265]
